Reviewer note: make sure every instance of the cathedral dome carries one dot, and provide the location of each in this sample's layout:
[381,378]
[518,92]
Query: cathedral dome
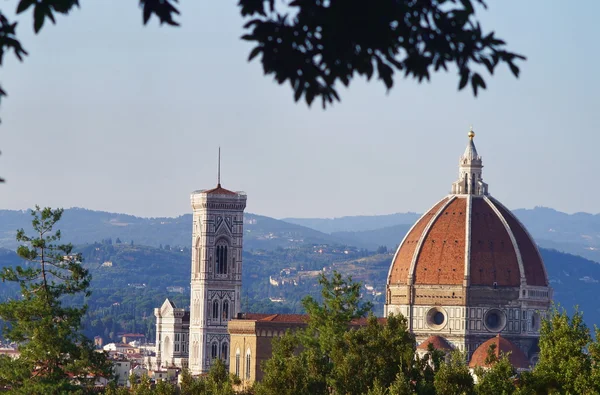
[516,357]
[468,238]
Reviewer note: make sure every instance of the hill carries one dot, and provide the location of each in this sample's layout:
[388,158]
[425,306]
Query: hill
[390,236]
[80,226]
[129,281]
[358,223]
[577,233]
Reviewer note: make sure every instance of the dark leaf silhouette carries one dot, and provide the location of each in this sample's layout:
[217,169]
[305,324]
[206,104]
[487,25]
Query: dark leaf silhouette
[333,41]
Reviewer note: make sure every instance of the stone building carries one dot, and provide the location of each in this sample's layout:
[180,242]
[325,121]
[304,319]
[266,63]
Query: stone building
[466,275]
[251,337]
[172,336]
[196,338]
[468,270]
[216,283]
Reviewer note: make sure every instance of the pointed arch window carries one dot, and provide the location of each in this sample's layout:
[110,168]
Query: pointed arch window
[221,258]
[224,351]
[248,364]
[225,315]
[214,350]
[215,314]
[237,362]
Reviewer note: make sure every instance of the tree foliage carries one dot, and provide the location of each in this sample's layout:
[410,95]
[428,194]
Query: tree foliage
[499,378]
[568,356]
[328,355]
[54,356]
[314,44]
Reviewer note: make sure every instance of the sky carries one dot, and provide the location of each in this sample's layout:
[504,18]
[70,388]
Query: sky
[109,115]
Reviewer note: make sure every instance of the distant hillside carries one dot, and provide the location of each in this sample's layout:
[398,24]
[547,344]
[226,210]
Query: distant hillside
[390,236]
[80,226]
[576,281]
[577,233]
[355,223]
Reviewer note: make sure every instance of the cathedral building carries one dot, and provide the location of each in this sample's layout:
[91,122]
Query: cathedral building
[469,271]
[466,275]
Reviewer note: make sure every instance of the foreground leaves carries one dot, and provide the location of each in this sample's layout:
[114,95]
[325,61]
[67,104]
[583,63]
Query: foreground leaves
[316,45]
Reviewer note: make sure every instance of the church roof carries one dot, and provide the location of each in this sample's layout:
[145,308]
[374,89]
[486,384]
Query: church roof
[468,235]
[438,342]
[504,346]
[219,190]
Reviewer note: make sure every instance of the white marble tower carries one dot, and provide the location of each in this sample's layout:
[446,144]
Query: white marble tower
[216,273]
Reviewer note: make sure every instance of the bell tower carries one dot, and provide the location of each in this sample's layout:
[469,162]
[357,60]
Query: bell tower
[216,281]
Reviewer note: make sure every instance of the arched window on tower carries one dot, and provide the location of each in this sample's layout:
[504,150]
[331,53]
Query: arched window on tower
[221,258]
[237,362]
[225,315]
[224,351]
[215,314]
[214,350]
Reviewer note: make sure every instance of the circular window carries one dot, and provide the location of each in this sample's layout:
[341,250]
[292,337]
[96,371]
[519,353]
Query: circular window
[436,318]
[495,320]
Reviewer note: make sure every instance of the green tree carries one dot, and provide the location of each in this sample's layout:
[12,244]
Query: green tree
[565,365]
[340,351]
[499,378]
[453,376]
[218,381]
[54,356]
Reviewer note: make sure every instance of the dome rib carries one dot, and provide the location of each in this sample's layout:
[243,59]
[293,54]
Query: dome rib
[513,239]
[528,250]
[440,258]
[496,263]
[424,234]
[399,269]
[468,239]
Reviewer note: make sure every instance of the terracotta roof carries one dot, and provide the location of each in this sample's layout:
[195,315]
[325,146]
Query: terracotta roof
[438,342]
[297,318]
[402,260]
[503,346]
[437,246]
[441,259]
[288,318]
[219,190]
[493,256]
[532,261]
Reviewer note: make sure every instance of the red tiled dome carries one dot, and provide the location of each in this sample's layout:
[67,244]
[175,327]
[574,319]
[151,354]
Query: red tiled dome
[438,342]
[472,235]
[503,346]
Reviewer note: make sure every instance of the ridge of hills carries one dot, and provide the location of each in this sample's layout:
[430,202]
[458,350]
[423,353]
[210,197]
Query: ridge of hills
[130,281]
[577,233]
[80,226]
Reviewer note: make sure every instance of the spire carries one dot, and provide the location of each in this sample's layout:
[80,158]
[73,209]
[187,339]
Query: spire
[471,151]
[219,170]
[470,165]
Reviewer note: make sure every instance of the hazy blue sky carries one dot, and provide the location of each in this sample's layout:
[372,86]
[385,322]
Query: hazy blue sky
[109,115]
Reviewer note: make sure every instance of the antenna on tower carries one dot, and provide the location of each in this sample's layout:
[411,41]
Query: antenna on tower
[219,170]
